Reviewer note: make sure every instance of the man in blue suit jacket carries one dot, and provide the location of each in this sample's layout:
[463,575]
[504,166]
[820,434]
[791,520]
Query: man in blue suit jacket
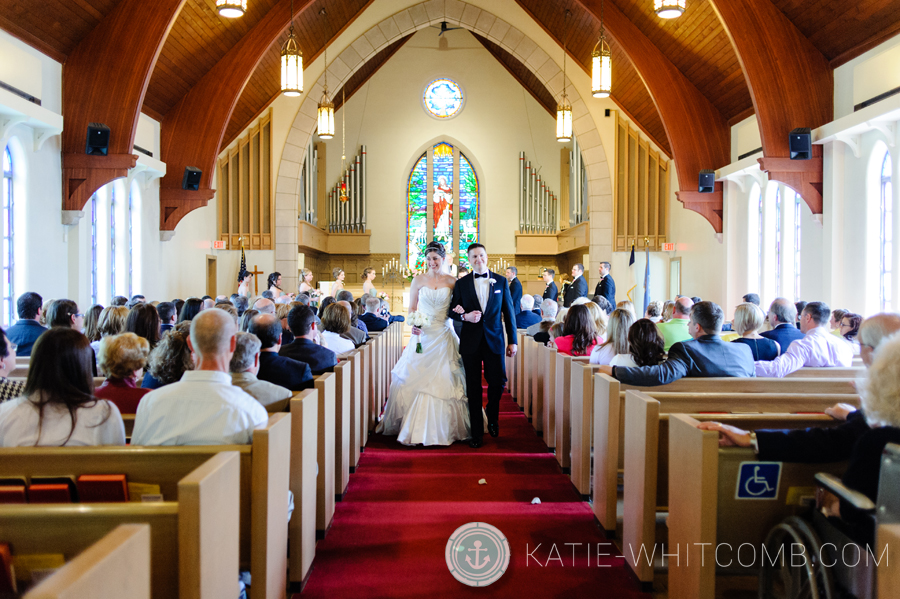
[782,315]
[28,328]
[550,291]
[278,370]
[577,288]
[515,287]
[479,300]
[706,355]
[371,318]
[527,317]
[302,322]
[606,287]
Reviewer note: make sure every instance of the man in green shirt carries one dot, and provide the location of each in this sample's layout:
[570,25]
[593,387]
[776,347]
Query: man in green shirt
[676,329]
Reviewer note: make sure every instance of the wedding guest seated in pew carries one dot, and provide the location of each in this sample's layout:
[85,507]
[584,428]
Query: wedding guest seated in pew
[579,333]
[860,440]
[28,328]
[273,368]
[245,365]
[281,312]
[191,308]
[386,313]
[748,318]
[167,317]
[645,346]
[616,344]
[58,407]
[170,359]
[8,388]
[246,317]
[123,358]
[675,329]
[549,308]
[143,321]
[203,408]
[817,348]
[64,313]
[303,324]
[526,316]
[782,316]
[371,319]
[850,330]
[353,333]
[241,304]
[706,355]
[336,322]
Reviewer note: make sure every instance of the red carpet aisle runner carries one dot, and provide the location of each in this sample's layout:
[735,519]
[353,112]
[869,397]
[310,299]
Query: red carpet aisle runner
[391,530]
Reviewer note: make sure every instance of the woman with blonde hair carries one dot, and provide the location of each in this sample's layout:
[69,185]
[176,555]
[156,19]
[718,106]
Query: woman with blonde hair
[368,276]
[92,323]
[627,305]
[668,311]
[620,322]
[111,322]
[748,319]
[306,278]
[338,275]
[600,320]
[123,358]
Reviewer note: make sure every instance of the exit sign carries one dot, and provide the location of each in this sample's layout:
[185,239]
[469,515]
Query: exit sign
[668,247]
[218,245]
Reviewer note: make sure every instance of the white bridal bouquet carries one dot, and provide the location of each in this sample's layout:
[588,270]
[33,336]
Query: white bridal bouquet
[420,320]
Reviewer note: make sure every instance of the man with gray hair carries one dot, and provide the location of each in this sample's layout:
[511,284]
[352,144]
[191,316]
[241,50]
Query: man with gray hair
[526,317]
[818,348]
[264,306]
[549,309]
[781,317]
[873,331]
[203,408]
[245,366]
[705,355]
[241,303]
[278,370]
[344,296]
[372,320]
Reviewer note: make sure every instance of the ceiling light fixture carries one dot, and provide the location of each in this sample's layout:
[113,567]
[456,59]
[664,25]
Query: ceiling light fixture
[291,63]
[564,108]
[231,9]
[601,64]
[326,106]
[669,9]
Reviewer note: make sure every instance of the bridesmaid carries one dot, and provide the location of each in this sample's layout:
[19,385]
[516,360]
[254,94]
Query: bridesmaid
[306,277]
[244,279]
[338,285]
[368,286]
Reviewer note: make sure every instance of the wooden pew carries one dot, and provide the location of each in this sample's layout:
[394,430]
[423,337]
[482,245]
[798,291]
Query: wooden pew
[647,458]
[116,566]
[546,368]
[194,549]
[703,507]
[530,380]
[521,372]
[581,409]
[609,398]
[304,455]
[343,384]
[365,376]
[562,382]
[888,578]
[325,438]
[829,373]
[356,409]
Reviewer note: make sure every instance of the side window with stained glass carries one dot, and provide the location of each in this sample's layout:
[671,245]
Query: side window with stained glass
[416,215]
[468,209]
[887,234]
[9,313]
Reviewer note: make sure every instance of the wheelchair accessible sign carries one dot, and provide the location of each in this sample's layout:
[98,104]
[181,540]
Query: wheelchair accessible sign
[758,480]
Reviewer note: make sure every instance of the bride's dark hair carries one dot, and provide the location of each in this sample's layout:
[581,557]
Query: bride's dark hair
[436,247]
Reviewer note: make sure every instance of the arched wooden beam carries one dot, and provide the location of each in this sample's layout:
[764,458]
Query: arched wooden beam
[105,79]
[790,82]
[193,130]
[696,129]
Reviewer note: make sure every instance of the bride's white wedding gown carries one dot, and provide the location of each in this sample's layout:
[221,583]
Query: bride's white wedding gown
[427,404]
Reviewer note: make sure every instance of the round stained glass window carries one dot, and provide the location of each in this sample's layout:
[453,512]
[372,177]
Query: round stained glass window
[443,98]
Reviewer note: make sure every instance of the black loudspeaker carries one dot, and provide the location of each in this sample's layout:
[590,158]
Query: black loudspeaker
[97,139]
[800,141]
[707,181]
[191,179]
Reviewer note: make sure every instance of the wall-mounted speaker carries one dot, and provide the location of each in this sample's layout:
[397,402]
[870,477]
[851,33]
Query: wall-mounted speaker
[800,141]
[707,181]
[191,179]
[97,139]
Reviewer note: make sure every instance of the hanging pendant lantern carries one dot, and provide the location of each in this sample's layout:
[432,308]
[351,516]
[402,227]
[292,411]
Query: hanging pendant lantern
[669,9]
[601,65]
[231,9]
[326,116]
[564,120]
[291,63]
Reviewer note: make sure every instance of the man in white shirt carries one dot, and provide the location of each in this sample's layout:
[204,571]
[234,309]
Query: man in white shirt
[818,348]
[203,408]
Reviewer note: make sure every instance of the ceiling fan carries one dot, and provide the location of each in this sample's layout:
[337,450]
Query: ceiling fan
[445,28]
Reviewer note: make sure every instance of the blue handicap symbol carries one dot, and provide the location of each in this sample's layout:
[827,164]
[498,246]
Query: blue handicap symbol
[758,480]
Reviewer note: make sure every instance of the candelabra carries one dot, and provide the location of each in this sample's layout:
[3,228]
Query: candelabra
[500,266]
[394,272]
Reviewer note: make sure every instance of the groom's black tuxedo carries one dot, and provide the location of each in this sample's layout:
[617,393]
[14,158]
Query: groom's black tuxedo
[482,343]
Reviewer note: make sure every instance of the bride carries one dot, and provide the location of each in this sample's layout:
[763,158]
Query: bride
[427,403]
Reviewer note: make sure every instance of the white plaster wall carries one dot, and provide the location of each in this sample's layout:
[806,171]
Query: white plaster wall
[866,76]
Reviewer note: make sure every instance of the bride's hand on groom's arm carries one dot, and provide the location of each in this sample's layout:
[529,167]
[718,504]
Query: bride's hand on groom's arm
[459,310]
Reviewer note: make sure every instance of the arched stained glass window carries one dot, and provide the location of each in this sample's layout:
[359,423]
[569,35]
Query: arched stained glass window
[887,234]
[444,183]
[113,290]
[94,249]
[416,215]
[9,313]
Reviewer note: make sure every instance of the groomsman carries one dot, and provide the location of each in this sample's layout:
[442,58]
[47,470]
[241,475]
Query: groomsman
[577,288]
[606,287]
[515,286]
[550,292]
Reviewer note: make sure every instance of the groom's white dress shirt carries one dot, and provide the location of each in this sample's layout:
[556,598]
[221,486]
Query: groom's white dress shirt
[483,289]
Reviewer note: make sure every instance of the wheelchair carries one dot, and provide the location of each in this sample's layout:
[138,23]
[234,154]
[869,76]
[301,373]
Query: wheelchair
[834,560]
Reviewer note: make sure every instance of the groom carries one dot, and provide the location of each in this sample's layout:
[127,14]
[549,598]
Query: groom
[479,299]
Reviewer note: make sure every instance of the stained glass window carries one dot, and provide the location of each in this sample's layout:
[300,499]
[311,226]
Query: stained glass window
[778,242]
[887,233]
[443,98]
[442,194]
[468,209]
[446,208]
[112,239]
[8,293]
[94,248]
[797,243]
[416,215]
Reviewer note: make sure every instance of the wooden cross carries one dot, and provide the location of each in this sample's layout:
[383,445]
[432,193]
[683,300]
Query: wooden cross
[255,272]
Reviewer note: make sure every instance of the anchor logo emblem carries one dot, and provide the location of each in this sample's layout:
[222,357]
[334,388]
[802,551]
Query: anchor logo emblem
[477,554]
[477,550]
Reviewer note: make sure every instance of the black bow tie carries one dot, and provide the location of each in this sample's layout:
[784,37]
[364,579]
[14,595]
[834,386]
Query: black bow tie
[478,276]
